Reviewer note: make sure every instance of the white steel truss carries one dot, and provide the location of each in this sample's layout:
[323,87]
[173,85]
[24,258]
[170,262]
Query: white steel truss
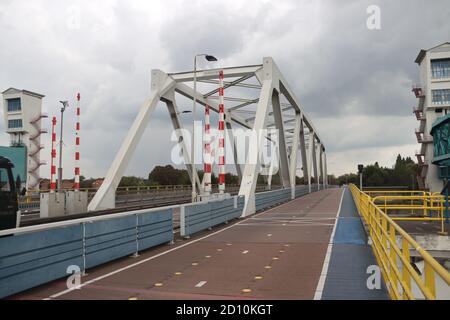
[274,106]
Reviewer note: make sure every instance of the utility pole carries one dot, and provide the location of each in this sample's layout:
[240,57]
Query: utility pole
[60,170]
[360,170]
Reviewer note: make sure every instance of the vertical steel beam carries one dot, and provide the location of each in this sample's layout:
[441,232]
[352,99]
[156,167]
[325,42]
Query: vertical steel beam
[232,141]
[314,159]
[278,117]
[294,154]
[325,168]
[250,175]
[303,152]
[322,178]
[169,99]
[311,157]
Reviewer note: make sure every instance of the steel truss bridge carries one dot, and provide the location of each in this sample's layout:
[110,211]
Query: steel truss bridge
[310,241]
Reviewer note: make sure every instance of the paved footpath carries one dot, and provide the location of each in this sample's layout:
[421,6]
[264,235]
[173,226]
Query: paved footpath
[282,253]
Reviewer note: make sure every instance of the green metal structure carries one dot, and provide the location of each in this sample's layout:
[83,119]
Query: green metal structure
[441,140]
[18,156]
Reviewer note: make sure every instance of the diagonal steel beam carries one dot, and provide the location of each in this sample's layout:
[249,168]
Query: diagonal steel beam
[229,84]
[242,85]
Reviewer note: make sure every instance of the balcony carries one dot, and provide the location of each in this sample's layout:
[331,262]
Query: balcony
[419,114]
[418,91]
[422,137]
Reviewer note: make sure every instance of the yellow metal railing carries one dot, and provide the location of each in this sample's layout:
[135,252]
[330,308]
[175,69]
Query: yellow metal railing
[391,246]
[425,207]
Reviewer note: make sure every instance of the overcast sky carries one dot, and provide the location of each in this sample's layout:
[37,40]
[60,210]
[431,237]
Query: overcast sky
[354,83]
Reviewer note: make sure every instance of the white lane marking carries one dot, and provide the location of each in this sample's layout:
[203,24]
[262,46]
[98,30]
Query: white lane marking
[61,293]
[326,263]
[269,235]
[293,219]
[245,252]
[201,284]
[287,225]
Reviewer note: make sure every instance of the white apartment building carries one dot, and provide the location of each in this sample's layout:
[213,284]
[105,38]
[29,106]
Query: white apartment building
[22,111]
[433,93]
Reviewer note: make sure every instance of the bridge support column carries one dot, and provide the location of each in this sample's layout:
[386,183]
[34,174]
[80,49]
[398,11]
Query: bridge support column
[279,125]
[250,175]
[311,160]
[303,152]
[294,154]
[325,168]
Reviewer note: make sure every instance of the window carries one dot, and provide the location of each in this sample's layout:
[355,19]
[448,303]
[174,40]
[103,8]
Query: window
[16,123]
[4,181]
[14,105]
[440,97]
[440,68]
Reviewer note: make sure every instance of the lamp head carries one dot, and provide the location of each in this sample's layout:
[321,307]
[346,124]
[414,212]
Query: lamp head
[210,58]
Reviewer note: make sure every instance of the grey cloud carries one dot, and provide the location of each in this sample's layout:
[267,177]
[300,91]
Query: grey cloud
[336,66]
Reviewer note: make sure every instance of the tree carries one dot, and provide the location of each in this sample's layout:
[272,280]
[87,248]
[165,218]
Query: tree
[131,182]
[402,174]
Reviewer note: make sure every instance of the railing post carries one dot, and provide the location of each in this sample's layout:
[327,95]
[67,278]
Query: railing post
[393,256]
[429,279]
[385,231]
[136,254]
[406,277]
[84,248]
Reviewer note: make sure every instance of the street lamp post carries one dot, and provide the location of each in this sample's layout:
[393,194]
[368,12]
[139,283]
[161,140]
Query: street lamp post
[194,111]
[360,170]
[60,170]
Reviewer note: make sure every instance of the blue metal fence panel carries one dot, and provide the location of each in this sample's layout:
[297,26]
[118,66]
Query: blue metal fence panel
[269,199]
[202,216]
[155,228]
[31,259]
[301,191]
[107,240]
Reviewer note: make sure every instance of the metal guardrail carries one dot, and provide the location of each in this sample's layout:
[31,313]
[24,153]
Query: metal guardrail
[201,216]
[131,195]
[34,255]
[269,199]
[31,256]
[421,207]
[393,255]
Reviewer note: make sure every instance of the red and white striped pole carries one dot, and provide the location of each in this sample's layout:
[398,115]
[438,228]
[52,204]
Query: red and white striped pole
[76,185]
[207,154]
[53,159]
[221,134]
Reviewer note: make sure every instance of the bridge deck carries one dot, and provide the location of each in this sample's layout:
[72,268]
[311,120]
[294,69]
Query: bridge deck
[283,253]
